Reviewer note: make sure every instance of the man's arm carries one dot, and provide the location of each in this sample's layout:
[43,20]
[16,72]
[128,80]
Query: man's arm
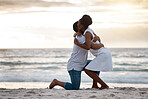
[96,38]
[96,46]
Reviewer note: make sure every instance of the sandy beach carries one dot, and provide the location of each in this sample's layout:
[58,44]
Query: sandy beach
[39,90]
[112,93]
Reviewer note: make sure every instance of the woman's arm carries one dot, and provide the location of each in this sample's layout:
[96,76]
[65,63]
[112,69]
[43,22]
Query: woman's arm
[88,37]
[87,44]
[93,46]
[80,45]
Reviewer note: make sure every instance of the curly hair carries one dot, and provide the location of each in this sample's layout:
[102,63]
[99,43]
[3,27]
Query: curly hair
[86,20]
[75,27]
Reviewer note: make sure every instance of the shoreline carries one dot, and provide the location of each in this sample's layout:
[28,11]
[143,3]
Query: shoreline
[84,85]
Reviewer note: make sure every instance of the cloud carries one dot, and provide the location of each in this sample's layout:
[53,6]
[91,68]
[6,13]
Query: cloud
[140,3]
[119,34]
[127,23]
[144,4]
[94,5]
[20,4]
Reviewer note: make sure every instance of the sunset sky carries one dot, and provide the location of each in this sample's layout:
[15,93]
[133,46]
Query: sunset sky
[48,23]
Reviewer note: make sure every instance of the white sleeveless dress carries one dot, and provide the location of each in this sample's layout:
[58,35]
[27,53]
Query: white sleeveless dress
[103,60]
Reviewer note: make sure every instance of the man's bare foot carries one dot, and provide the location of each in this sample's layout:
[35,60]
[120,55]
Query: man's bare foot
[53,83]
[104,87]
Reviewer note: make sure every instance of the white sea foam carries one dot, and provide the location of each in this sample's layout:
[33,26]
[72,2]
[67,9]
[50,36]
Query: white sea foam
[43,65]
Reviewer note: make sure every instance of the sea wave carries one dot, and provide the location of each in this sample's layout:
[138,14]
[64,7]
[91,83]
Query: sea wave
[37,65]
[29,63]
[127,64]
[131,70]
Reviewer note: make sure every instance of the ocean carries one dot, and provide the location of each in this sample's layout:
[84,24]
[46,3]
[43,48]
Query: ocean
[130,65]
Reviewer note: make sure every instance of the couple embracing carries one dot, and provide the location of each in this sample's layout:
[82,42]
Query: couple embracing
[86,39]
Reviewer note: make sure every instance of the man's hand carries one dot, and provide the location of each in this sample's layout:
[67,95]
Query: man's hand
[96,46]
[101,45]
[95,38]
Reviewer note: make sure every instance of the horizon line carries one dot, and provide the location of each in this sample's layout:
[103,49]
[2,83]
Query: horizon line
[71,48]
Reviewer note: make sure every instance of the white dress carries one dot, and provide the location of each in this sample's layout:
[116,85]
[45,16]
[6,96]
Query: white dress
[103,59]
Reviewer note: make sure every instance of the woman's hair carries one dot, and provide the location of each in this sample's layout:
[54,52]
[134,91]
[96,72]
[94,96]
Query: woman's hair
[75,27]
[86,20]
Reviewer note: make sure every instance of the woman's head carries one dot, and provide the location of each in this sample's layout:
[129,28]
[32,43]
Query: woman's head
[84,22]
[75,28]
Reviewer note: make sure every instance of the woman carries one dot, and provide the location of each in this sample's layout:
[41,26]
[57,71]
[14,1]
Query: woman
[103,60]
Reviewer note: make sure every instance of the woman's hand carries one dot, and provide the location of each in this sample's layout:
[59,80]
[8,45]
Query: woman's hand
[75,34]
[76,41]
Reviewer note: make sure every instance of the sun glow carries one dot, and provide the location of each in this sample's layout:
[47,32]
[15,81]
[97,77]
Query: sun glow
[123,7]
[46,26]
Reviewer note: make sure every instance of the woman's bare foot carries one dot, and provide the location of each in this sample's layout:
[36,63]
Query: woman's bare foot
[53,83]
[104,87]
[95,87]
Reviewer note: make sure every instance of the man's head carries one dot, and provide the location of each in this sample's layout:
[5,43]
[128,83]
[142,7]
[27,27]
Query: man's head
[75,27]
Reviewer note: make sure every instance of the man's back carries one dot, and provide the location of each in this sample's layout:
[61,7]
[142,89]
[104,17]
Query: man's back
[78,57]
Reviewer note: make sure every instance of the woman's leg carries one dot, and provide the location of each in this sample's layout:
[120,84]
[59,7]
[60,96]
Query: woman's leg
[95,77]
[95,85]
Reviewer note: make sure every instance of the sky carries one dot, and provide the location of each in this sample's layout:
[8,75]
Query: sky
[48,23]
